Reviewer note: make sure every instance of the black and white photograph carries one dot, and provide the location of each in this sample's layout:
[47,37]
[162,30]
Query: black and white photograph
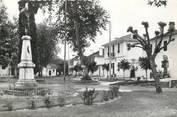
[88,58]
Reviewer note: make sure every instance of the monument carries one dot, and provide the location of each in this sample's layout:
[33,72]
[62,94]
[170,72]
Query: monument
[26,66]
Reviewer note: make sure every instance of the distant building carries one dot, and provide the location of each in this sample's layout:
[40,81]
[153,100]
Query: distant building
[49,70]
[5,71]
[119,51]
[52,67]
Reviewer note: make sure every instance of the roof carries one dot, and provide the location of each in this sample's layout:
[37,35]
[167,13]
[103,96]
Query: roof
[127,38]
[94,54]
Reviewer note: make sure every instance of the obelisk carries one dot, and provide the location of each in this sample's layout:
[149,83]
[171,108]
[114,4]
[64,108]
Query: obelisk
[26,66]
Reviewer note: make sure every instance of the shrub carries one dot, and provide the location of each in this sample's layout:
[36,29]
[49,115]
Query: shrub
[111,94]
[47,102]
[114,90]
[105,96]
[61,101]
[9,105]
[32,104]
[88,96]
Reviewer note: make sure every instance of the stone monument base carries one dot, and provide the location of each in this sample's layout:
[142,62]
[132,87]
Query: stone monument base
[26,84]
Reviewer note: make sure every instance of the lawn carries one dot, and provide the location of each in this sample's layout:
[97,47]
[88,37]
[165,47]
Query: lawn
[129,104]
[140,102]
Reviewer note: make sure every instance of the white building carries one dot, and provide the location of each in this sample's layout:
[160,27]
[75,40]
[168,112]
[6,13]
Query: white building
[119,51]
[50,70]
[5,71]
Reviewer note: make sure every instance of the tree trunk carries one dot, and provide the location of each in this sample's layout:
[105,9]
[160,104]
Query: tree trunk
[155,75]
[107,73]
[146,74]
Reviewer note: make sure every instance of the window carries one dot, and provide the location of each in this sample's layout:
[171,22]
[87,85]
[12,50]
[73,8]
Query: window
[165,45]
[118,66]
[112,48]
[108,51]
[118,47]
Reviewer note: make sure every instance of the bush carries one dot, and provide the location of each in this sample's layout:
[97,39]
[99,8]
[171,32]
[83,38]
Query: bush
[111,94]
[114,90]
[61,101]
[105,96]
[88,96]
[32,104]
[47,102]
[9,105]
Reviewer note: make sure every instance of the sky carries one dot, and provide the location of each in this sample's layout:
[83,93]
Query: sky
[123,13]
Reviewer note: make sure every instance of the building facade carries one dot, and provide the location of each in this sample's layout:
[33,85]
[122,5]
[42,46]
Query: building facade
[5,71]
[119,51]
[49,70]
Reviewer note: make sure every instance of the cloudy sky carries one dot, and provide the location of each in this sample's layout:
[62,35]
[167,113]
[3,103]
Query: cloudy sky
[123,13]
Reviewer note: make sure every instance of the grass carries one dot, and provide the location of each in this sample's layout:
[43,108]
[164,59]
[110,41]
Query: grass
[132,104]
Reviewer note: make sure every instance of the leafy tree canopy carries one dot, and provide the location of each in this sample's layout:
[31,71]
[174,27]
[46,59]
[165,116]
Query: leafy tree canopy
[83,20]
[92,67]
[46,45]
[124,64]
[7,38]
[144,63]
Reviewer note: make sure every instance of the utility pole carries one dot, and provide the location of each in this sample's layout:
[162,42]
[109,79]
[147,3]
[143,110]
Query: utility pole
[68,59]
[110,50]
[65,41]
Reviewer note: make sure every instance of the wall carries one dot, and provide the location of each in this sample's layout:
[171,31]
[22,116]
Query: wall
[49,72]
[5,72]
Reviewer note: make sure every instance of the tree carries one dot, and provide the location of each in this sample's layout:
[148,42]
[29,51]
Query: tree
[60,67]
[8,39]
[145,64]
[92,67]
[77,68]
[106,67]
[157,3]
[4,35]
[124,65]
[46,45]
[83,20]
[146,45]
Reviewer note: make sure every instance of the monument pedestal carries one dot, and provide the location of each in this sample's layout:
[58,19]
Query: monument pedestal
[26,67]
